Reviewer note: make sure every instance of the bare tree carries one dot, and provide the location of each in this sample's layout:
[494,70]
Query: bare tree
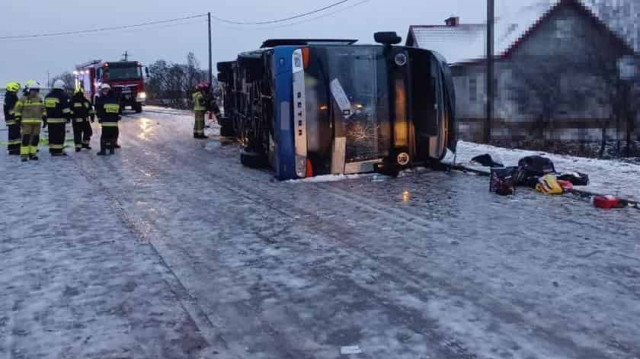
[174,83]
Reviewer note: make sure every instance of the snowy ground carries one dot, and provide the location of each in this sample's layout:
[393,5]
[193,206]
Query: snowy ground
[606,176]
[171,249]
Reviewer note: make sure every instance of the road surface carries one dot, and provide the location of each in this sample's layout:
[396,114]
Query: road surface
[171,249]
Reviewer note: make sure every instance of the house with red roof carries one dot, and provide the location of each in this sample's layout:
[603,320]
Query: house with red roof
[557,75]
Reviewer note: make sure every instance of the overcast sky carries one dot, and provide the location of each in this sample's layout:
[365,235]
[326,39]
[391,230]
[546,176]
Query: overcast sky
[31,59]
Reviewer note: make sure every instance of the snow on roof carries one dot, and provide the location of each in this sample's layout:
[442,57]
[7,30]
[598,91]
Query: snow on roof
[464,43]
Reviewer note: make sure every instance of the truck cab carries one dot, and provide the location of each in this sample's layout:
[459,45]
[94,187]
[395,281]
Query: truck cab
[126,78]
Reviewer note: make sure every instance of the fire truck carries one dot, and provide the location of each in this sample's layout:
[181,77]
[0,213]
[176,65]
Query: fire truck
[125,78]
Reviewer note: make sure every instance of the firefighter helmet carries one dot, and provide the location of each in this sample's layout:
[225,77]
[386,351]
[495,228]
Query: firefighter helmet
[28,84]
[104,86]
[59,84]
[13,87]
[33,86]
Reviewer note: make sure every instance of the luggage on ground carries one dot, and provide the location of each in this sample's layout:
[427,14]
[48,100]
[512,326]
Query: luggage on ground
[503,181]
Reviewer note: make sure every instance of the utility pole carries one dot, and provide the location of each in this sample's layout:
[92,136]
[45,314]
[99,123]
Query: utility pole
[126,55]
[210,61]
[490,68]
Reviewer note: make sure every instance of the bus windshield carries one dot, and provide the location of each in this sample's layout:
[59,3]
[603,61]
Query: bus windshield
[347,89]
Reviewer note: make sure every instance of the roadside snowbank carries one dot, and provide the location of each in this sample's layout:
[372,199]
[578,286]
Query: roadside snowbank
[606,176]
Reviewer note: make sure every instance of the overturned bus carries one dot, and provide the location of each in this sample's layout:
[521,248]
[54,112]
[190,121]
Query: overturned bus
[314,107]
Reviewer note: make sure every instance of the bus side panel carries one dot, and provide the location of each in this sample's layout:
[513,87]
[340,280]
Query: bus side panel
[283,130]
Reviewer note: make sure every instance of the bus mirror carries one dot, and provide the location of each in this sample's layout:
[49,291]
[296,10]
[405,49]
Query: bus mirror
[387,38]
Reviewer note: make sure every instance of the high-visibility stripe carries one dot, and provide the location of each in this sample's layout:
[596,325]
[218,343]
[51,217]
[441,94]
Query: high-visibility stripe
[10,123]
[109,124]
[66,110]
[79,120]
[33,150]
[78,145]
[56,147]
[31,120]
[56,120]
[198,132]
[24,150]
[112,108]
[31,104]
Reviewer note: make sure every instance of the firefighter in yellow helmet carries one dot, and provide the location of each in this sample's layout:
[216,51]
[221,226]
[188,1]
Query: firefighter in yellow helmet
[13,126]
[30,112]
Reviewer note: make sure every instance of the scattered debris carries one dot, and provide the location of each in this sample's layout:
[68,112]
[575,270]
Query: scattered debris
[487,161]
[607,202]
[503,181]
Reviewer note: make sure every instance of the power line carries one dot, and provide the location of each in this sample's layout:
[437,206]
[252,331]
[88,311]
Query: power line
[233,22]
[102,29]
[315,17]
[174,20]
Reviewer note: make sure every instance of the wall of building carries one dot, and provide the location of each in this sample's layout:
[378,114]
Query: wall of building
[561,50]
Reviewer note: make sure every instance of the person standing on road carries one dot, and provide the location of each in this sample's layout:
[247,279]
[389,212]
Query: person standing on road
[30,113]
[108,111]
[13,126]
[58,114]
[199,108]
[82,109]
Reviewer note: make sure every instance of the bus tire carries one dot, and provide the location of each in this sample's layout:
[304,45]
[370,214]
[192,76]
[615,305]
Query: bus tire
[253,159]
[137,107]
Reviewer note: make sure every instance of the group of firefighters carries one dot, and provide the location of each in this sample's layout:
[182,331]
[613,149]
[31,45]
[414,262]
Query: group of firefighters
[26,115]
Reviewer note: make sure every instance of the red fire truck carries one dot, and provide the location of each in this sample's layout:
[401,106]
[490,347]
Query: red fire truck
[125,78]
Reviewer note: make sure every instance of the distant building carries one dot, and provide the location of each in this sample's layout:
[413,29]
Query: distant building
[555,68]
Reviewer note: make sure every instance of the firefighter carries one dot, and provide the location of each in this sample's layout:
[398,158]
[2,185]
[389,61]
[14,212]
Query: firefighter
[13,126]
[200,108]
[108,111]
[30,113]
[82,109]
[58,107]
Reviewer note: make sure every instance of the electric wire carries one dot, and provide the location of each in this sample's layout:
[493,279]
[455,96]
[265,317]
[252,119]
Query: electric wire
[102,29]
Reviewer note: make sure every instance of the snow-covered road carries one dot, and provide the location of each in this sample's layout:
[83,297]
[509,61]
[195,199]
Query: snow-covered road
[171,249]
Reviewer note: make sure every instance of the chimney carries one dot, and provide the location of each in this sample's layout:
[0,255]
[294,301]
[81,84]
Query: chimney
[452,21]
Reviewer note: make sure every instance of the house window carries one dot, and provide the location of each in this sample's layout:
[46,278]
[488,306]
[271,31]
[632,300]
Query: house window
[473,89]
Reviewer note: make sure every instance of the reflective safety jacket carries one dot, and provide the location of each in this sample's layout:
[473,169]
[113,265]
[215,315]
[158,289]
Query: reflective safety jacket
[30,109]
[199,101]
[58,106]
[108,110]
[81,107]
[10,100]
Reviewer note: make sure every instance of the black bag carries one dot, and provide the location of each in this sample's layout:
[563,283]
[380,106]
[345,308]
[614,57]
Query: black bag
[486,160]
[576,178]
[531,168]
[503,181]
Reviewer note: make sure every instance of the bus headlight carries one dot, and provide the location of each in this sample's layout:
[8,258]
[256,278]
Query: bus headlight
[142,95]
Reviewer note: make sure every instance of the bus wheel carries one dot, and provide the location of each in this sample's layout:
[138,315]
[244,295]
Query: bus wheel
[253,159]
[137,107]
